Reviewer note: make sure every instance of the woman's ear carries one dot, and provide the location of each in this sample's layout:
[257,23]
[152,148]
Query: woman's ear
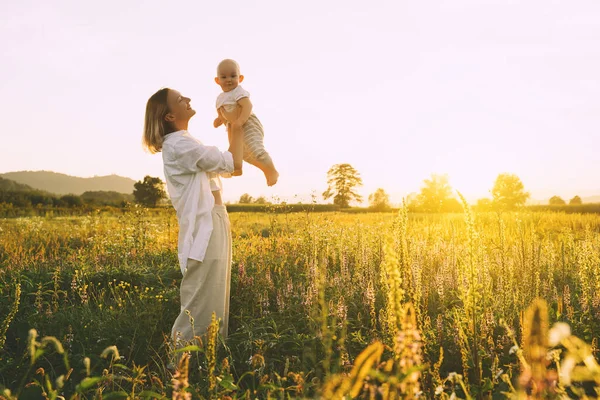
[169,117]
[241,78]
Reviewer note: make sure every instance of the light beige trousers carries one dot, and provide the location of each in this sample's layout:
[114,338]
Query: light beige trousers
[205,285]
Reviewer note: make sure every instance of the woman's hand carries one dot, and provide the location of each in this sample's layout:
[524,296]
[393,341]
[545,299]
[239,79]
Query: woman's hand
[229,116]
[238,123]
[217,122]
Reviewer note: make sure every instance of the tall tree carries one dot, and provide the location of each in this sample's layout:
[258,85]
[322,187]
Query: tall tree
[484,204]
[379,200]
[260,200]
[245,199]
[575,201]
[149,191]
[343,180]
[435,193]
[556,201]
[71,200]
[508,192]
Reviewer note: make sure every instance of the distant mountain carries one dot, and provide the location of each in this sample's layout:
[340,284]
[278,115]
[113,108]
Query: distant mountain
[9,185]
[591,199]
[60,184]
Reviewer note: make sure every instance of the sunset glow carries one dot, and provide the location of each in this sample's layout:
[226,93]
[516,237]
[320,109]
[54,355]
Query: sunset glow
[399,90]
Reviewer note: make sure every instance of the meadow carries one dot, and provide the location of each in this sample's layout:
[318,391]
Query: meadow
[323,305]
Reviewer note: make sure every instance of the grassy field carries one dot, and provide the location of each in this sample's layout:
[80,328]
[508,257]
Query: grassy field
[322,305]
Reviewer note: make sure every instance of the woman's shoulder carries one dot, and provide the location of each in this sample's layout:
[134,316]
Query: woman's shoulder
[180,143]
[179,138]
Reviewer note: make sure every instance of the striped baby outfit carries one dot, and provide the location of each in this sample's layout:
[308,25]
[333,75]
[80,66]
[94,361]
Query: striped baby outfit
[254,149]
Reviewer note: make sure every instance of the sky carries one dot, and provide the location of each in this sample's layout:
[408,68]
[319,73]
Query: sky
[398,89]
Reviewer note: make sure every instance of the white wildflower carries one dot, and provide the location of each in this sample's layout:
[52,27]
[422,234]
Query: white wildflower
[566,368]
[499,373]
[558,333]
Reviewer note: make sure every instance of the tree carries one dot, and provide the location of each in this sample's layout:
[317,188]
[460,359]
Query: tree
[71,200]
[379,200]
[557,201]
[575,201]
[245,199]
[106,197]
[452,205]
[149,191]
[484,204]
[260,200]
[435,194]
[411,201]
[508,192]
[342,180]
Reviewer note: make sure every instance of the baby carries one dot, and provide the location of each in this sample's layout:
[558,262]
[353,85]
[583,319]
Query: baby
[234,107]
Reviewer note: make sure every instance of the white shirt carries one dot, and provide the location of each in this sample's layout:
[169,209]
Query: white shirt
[191,170]
[231,97]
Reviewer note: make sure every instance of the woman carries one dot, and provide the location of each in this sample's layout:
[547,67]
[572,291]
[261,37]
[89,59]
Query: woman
[204,243]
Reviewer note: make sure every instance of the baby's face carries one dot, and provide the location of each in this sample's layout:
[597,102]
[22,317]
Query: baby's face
[228,77]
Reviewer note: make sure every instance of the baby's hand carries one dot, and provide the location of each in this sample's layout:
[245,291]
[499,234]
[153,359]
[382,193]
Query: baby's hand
[218,122]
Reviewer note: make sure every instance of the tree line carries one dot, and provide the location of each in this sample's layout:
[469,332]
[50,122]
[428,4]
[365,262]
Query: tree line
[28,199]
[149,192]
[436,194]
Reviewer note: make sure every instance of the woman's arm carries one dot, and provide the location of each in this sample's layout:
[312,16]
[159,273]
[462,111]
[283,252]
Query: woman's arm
[229,116]
[219,120]
[236,146]
[224,116]
[235,133]
[190,156]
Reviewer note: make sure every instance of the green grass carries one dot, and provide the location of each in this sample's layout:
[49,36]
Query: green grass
[309,294]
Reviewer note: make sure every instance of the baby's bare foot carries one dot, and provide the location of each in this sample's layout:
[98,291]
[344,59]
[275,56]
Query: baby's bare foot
[272,177]
[237,172]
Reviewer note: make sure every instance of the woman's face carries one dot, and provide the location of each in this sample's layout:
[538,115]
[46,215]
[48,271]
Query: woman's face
[179,107]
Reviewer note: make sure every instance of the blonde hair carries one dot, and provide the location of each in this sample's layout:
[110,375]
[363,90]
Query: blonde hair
[155,125]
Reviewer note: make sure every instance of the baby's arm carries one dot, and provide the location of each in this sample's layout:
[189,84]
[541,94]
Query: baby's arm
[245,106]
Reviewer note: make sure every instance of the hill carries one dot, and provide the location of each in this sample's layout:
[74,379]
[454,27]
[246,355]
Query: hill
[54,182]
[9,185]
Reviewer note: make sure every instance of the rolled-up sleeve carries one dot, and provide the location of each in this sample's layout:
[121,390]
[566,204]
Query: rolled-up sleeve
[192,156]
[215,181]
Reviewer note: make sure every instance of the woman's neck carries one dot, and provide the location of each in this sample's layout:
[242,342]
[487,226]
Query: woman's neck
[180,125]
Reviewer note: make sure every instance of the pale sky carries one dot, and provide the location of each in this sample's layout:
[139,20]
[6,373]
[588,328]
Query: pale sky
[398,89]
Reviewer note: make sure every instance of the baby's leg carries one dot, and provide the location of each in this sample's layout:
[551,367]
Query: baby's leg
[254,150]
[265,164]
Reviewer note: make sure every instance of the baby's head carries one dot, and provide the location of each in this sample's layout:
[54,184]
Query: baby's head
[228,75]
